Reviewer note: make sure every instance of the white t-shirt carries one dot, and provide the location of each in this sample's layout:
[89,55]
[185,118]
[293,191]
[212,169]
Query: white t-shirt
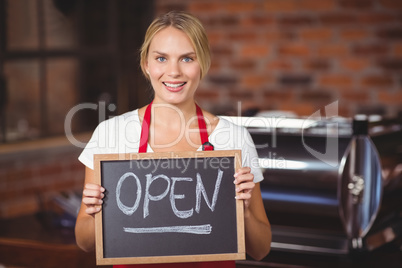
[121,134]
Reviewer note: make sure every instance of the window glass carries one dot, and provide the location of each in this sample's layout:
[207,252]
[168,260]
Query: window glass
[22,25]
[61,92]
[23,106]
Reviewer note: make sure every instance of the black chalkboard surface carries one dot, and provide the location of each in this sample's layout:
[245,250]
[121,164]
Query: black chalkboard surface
[169,207]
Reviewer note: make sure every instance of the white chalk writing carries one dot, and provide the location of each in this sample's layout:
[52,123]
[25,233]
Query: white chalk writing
[181,214]
[125,209]
[190,229]
[171,183]
[148,197]
[200,189]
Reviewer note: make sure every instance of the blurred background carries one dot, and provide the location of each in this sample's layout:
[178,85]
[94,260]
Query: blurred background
[294,56]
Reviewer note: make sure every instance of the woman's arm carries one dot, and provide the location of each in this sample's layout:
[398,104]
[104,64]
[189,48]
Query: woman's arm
[257,227]
[91,204]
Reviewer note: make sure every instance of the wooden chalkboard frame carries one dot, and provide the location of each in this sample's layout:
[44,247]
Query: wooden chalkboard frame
[241,251]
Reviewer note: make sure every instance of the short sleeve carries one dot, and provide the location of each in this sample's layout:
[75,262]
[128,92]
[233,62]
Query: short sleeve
[250,156]
[87,155]
[120,134]
[229,136]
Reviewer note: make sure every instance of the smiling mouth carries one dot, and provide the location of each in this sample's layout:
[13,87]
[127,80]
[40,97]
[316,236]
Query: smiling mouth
[175,85]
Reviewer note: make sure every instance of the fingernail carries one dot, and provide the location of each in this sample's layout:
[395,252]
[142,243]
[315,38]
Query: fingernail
[235,181]
[100,201]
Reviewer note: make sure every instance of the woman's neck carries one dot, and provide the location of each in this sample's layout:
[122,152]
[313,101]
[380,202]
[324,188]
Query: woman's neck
[170,126]
[169,114]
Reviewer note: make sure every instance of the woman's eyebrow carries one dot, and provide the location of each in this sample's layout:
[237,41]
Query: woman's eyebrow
[193,54]
[183,55]
[158,52]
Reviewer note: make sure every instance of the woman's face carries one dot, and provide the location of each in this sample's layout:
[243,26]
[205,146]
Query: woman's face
[173,67]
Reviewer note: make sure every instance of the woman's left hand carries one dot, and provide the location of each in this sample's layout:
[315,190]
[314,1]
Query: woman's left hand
[244,181]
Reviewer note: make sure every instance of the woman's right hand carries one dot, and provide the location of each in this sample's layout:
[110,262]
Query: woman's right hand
[92,196]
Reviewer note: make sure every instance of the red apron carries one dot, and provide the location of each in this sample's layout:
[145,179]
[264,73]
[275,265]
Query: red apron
[206,146]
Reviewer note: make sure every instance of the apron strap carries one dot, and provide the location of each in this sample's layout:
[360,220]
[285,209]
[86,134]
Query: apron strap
[145,130]
[206,145]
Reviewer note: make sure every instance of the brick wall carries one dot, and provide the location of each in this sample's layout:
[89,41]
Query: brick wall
[300,55]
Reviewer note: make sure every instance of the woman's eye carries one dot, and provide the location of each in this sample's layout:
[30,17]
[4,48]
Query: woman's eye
[187,59]
[161,59]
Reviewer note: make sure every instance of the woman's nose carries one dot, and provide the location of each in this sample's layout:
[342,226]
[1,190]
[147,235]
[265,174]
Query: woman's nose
[174,69]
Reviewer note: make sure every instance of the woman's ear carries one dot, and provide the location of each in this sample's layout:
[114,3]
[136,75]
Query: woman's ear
[146,67]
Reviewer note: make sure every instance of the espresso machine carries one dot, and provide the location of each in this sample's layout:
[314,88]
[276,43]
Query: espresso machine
[331,185]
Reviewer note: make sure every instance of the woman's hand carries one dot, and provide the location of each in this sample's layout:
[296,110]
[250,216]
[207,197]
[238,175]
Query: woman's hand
[92,196]
[91,204]
[244,181]
[258,229]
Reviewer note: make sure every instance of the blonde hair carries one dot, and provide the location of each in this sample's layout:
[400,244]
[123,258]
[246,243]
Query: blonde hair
[189,25]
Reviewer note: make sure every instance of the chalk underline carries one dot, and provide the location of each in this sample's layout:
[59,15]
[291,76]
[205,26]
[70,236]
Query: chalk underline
[190,229]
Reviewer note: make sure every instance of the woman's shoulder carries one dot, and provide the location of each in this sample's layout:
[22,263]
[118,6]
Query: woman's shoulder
[119,123]
[229,122]
[211,120]
[125,117]
[131,115]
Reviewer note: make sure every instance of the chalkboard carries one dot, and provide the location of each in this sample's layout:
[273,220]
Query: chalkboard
[169,207]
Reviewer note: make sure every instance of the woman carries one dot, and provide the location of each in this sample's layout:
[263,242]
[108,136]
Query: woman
[175,56]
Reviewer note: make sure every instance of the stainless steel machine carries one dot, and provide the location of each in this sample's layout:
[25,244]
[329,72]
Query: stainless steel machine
[331,186]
